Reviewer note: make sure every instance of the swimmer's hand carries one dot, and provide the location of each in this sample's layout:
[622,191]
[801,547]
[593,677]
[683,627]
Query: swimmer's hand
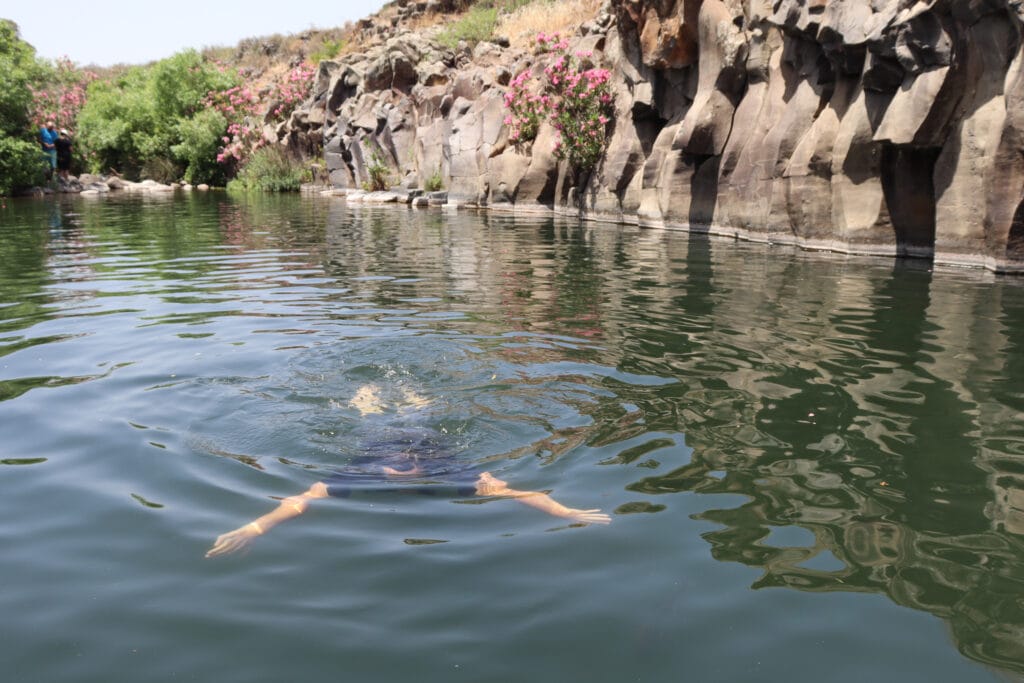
[233,541]
[594,516]
[292,506]
[489,485]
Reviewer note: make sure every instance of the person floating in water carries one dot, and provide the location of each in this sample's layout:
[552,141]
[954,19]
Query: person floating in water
[403,455]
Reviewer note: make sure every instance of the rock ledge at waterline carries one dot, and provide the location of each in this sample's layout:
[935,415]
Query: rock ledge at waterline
[890,127]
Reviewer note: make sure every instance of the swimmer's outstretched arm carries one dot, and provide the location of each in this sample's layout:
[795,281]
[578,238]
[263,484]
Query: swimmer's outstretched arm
[292,506]
[489,485]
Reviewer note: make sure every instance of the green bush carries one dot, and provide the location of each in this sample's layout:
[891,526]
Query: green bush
[435,182]
[19,69]
[377,174]
[21,164]
[474,26]
[200,140]
[270,169]
[156,112]
[329,49]
[161,169]
[21,161]
[114,124]
[179,84]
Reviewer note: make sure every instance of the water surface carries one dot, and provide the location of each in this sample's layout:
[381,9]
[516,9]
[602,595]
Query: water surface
[814,464]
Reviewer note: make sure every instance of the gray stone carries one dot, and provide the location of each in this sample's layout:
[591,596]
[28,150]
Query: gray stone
[875,126]
[708,122]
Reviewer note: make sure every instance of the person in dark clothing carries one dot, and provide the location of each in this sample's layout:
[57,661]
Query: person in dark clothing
[63,146]
[411,457]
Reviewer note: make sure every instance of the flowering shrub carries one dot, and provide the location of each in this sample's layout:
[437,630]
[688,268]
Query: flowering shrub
[61,99]
[581,110]
[239,106]
[576,99]
[63,96]
[549,42]
[295,88]
[526,110]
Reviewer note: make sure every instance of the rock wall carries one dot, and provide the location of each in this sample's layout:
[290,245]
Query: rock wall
[891,127]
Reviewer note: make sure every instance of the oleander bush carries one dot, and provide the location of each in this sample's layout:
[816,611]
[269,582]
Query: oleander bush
[573,95]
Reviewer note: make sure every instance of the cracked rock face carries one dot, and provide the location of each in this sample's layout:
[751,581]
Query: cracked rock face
[871,126]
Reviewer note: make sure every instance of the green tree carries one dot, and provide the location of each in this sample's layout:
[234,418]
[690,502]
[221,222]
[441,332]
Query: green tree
[116,122]
[157,113]
[20,157]
[200,138]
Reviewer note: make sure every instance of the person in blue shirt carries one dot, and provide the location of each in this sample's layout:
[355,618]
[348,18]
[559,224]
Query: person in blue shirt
[407,455]
[48,137]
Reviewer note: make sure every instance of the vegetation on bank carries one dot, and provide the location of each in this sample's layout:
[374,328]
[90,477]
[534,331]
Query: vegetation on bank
[152,119]
[205,116]
[270,169]
[188,117]
[20,159]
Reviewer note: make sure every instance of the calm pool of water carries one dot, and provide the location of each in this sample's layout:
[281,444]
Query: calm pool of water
[814,464]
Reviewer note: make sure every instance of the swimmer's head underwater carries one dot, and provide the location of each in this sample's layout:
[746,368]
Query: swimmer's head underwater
[368,401]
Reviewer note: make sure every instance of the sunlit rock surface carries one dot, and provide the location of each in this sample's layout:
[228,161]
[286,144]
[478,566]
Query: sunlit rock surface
[892,127]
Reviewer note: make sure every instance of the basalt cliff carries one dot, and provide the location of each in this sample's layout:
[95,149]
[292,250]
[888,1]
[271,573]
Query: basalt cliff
[888,127]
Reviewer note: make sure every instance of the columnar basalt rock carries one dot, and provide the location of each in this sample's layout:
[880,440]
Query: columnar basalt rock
[889,127]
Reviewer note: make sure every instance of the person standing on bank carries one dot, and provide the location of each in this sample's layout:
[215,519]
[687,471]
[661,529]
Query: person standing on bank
[63,148]
[48,137]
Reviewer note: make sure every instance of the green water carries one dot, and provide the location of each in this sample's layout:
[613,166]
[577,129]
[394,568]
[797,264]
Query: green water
[814,464]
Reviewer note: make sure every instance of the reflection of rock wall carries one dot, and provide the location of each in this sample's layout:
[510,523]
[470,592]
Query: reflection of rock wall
[881,432]
[892,127]
[857,400]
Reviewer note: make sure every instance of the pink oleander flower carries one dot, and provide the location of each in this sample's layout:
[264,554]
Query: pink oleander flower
[573,99]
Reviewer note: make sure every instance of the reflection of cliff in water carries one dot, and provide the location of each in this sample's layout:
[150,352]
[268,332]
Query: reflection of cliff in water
[875,409]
